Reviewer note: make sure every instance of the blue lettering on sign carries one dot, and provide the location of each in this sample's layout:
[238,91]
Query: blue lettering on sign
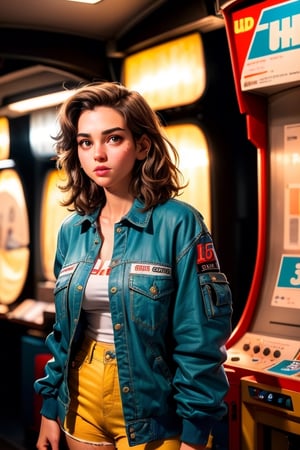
[289,276]
[277,30]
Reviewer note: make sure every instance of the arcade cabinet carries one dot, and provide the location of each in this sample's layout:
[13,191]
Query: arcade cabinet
[264,350]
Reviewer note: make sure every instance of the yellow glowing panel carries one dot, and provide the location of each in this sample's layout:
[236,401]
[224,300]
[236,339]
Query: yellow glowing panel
[168,75]
[4,138]
[14,237]
[192,147]
[52,214]
[294,201]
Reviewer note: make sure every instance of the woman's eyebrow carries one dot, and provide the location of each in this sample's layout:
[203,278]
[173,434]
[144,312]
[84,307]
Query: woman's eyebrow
[108,131]
[111,130]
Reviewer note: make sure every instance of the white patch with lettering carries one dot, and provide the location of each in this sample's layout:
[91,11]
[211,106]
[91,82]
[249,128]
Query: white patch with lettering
[150,269]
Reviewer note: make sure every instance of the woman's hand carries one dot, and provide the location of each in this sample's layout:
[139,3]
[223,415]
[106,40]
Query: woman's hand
[49,435]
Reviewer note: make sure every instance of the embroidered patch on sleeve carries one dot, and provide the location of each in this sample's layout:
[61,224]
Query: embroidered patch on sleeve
[206,257]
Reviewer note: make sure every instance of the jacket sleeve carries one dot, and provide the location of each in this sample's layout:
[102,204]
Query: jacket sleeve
[48,386]
[201,325]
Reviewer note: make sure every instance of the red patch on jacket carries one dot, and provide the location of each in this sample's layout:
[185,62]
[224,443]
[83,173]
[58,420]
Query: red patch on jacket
[206,257]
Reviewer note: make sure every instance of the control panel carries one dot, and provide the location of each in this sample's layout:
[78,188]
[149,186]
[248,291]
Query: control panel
[261,353]
[271,397]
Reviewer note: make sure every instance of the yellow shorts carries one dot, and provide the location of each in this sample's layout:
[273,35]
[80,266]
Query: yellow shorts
[95,415]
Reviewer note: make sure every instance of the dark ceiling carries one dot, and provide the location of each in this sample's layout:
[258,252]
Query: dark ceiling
[43,44]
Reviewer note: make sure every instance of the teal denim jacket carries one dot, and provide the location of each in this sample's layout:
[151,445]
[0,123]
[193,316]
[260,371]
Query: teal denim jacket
[171,312]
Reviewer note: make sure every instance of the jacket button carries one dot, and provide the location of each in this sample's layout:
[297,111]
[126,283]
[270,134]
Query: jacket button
[154,290]
[79,287]
[113,290]
[132,435]
[109,355]
[118,326]
[119,230]
[125,389]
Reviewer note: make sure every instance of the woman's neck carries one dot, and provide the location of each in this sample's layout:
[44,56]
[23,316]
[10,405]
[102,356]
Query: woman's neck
[115,208]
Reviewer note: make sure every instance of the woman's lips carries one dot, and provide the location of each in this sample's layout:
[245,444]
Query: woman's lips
[101,171]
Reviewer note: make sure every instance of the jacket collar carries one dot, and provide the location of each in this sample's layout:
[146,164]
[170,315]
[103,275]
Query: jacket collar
[135,215]
[138,217]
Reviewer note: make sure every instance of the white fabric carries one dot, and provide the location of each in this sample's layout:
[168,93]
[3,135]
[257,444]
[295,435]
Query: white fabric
[96,304]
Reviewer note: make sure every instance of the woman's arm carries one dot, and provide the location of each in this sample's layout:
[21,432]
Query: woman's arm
[201,327]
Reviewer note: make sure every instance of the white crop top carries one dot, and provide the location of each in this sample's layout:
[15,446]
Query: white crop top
[96,304]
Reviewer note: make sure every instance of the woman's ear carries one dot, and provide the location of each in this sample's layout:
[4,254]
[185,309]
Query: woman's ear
[143,146]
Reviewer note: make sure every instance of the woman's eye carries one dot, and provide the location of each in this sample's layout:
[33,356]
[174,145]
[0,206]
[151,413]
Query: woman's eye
[84,143]
[115,139]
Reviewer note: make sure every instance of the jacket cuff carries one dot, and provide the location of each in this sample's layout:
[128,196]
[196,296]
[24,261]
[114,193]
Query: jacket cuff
[49,408]
[196,432]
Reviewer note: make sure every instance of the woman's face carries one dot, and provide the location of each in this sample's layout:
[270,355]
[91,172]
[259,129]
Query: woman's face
[106,148]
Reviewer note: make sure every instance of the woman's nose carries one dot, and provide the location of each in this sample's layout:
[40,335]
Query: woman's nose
[99,153]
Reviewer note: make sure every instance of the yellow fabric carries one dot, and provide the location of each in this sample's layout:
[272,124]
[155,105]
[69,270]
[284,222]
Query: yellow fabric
[95,415]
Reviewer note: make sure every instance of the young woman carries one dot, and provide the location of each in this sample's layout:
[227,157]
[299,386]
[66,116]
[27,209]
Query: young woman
[142,310]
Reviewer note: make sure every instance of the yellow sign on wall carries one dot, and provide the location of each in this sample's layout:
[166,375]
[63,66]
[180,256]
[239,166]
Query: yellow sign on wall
[52,214]
[14,237]
[194,165]
[168,75]
[4,138]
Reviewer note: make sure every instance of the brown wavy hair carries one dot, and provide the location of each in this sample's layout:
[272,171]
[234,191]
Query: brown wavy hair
[154,179]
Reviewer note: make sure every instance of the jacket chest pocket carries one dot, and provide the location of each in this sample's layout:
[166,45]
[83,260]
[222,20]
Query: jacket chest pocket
[150,300]
[60,295]
[62,291]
